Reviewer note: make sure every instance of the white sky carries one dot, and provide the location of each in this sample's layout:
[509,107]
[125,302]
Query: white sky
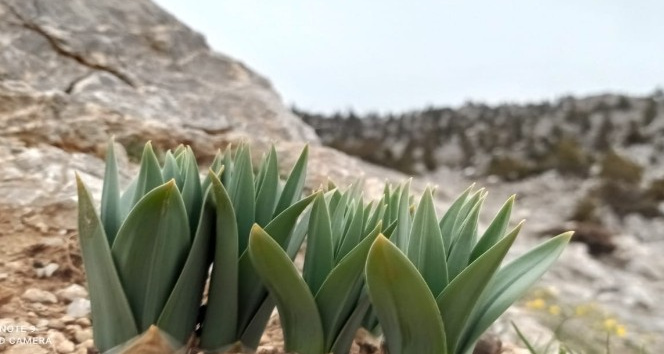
[397,55]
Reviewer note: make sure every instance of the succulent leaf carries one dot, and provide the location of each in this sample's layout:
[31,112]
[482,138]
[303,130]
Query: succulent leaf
[303,332]
[402,301]
[150,250]
[114,321]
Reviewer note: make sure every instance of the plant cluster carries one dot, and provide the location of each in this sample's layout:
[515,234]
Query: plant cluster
[428,284]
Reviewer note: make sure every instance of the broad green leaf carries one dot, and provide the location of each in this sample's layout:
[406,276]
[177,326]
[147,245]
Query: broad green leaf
[319,255]
[229,166]
[171,170]
[251,335]
[402,301]
[426,249]
[447,221]
[299,317]
[266,199]
[339,293]
[378,214]
[299,234]
[114,322]
[354,234]
[251,291]
[495,231]
[216,166]
[126,199]
[338,217]
[149,176]
[465,211]
[150,251]
[179,150]
[294,184]
[459,298]
[392,200]
[181,310]
[219,328]
[242,193]
[510,283]
[400,237]
[462,245]
[111,216]
[192,195]
[344,340]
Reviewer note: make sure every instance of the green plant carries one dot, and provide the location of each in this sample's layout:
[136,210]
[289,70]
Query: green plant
[148,253]
[322,310]
[436,287]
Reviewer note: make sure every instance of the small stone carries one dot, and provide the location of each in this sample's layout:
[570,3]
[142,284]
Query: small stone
[72,292]
[88,344]
[83,335]
[67,319]
[47,271]
[56,324]
[78,308]
[38,295]
[61,344]
[83,322]
[41,323]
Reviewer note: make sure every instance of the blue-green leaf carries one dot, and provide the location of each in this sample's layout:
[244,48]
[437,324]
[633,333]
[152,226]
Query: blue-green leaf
[462,244]
[114,321]
[339,294]
[319,255]
[460,297]
[426,249]
[405,307]
[294,184]
[150,251]
[219,328]
[299,317]
[181,310]
[447,221]
[242,193]
[111,216]
[495,231]
[267,188]
[510,283]
[149,176]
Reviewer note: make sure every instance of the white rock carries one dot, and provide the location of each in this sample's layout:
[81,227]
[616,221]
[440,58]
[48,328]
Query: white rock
[83,335]
[47,271]
[72,292]
[41,296]
[79,307]
[61,344]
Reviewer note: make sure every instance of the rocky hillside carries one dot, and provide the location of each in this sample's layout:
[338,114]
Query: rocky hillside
[510,141]
[74,73]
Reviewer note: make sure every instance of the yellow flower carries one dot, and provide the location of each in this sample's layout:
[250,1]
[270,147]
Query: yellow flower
[581,310]
[536,304]
[621,331]
[610,324]
[554,310]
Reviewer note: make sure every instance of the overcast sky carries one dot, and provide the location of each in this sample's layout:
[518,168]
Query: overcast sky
[397,55]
